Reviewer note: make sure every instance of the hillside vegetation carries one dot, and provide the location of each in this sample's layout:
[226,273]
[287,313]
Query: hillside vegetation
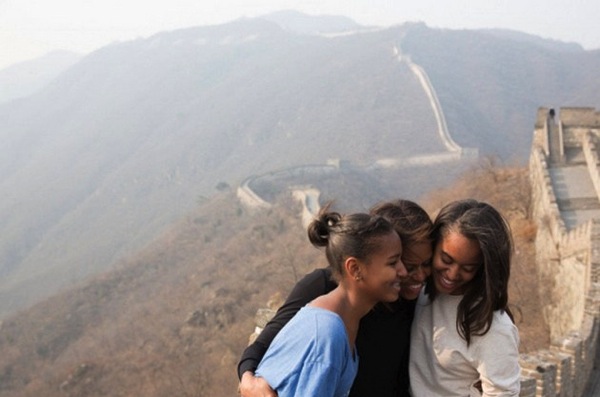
[173,319]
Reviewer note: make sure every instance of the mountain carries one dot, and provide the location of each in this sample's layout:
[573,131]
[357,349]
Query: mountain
[100,161]
[550,44]
[301,23]
[490,85]
[25,78]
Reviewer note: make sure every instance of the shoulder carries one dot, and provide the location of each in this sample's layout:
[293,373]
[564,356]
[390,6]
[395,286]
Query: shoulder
[319,332]
[503,325]
[502,322]
[502,337]
[327,325]
[321,317]
[312,323]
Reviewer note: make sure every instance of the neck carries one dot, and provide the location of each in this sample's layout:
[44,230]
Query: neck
[348,306]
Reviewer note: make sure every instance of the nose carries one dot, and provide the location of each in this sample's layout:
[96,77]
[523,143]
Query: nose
[452,273]
[401,269]
[421,274]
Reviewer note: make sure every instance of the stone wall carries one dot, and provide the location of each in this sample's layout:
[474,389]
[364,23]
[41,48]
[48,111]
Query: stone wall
[591,156]
[580,117]
[567,261]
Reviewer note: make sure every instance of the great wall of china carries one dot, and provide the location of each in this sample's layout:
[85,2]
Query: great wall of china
[565,185]
[249,197]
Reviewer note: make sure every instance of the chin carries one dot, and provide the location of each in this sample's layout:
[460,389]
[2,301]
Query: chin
[391,298]
[410,296]
[444,289]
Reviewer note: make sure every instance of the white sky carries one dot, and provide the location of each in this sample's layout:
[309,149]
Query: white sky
[31,28]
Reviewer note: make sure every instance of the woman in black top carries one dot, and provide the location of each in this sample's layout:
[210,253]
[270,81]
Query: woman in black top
[384,334]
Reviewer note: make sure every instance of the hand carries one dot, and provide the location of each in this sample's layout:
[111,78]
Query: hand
[251,386]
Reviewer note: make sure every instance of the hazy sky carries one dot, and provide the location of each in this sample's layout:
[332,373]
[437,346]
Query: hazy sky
[30,28]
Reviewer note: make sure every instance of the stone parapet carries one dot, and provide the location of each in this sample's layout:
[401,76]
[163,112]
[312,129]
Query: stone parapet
[591,158]
[580,117]
[545,209]
[542,371]
[569,260]
[528,386]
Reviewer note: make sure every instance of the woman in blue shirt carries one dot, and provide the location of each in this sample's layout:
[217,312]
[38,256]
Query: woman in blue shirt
[314,354]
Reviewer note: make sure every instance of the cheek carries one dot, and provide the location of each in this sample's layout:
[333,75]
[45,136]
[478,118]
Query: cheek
[437,265]
[385,272]
[466,277]
[420,275]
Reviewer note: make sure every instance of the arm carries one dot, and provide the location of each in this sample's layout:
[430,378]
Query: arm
[252,386]
[498,366]
[311,286]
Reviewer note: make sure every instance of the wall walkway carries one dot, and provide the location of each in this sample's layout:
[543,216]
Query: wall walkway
[565,185]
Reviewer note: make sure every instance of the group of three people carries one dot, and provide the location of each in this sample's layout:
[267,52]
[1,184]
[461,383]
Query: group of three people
[422,305]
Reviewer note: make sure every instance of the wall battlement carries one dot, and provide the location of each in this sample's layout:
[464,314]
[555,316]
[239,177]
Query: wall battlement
[565,185]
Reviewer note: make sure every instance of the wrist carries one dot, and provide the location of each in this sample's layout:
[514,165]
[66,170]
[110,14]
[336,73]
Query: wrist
[246,375]
[246,382]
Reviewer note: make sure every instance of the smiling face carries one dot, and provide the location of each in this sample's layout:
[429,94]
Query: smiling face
[382,275]
[417,260]
[456,261]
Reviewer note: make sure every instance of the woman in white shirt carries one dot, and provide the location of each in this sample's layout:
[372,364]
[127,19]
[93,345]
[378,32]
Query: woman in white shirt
[463,339]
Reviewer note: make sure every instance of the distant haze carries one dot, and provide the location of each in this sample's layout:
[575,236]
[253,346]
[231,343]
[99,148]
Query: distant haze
[31,28]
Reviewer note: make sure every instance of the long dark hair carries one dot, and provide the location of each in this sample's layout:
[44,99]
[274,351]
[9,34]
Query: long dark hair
[488,291]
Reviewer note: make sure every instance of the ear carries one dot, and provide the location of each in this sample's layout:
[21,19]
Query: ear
[352,267]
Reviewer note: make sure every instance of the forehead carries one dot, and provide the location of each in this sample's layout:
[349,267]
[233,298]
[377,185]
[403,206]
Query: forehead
[460,248]
[417,253]
[389,242]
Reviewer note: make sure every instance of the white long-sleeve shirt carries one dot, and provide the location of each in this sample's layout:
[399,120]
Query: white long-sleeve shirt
[441,364]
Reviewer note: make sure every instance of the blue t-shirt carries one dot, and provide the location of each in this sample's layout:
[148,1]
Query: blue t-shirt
[310,356]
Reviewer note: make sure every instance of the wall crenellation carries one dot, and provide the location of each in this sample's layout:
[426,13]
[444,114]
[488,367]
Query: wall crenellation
[567,261]
[577,240]
[542,192]
[591,156]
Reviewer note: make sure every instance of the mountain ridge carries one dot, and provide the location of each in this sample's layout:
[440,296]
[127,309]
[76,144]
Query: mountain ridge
[25,78]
